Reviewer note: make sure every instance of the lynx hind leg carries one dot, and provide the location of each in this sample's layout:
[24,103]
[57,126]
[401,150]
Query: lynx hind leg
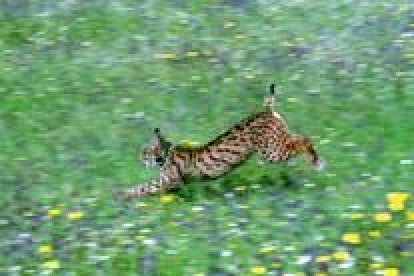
[288,147]
[291,146]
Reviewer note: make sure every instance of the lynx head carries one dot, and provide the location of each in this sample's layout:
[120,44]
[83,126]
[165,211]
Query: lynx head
[155,152]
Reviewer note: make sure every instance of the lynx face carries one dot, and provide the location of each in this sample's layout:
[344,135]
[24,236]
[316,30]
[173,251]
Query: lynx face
[156,151]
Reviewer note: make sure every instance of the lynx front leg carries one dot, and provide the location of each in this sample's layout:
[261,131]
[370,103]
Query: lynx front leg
[165,182]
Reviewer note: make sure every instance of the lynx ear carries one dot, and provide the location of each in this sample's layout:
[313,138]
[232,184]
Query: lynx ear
[269,100]
[272,89]
[158,134]
[161,139]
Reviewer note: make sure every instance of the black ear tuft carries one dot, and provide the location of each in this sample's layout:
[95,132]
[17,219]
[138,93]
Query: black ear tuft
[272,89]
[157,130]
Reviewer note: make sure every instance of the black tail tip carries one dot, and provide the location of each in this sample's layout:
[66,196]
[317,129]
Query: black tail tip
[272,89]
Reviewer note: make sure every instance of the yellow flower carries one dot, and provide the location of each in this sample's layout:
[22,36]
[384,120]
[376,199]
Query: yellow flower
[382,217]
[340,256]
[390,271]
[51,264]
[75,215]
[54,212]
[240,188]
[398,206]
[320,274]
[351,238]
[357,216]
[44,249]
[374,233]
[167,198]
[396,200]
[323,259]
[258,270]
[409,215]
[267,249]
[199,274]
[397,196]
[376,265]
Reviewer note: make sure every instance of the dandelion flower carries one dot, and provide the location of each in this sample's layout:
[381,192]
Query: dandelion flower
[323,259]
[397,196]
[44,249]
[382,217]
[54,212]
[376,265]
[351,238]
[340,256]
[51,265]
[258,270]
[357,216]
[167,198]
[240,188]
[396,200]
[399,206]
[374,233]
[391,271]
[267,249]
[409,215]
[75,215]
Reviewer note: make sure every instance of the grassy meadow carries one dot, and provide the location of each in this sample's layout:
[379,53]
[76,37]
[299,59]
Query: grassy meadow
[83,83]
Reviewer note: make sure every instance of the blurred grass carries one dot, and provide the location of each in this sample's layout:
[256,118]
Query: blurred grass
[83,83]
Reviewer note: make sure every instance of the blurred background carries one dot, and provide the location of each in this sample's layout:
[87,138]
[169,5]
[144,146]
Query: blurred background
[83,83]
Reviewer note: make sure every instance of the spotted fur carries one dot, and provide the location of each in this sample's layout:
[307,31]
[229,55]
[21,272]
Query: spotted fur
[264,132]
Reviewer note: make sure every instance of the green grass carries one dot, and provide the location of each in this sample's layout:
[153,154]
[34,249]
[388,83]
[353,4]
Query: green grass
[83,85]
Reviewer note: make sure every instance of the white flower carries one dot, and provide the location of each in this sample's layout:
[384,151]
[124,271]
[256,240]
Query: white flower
[304,259]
